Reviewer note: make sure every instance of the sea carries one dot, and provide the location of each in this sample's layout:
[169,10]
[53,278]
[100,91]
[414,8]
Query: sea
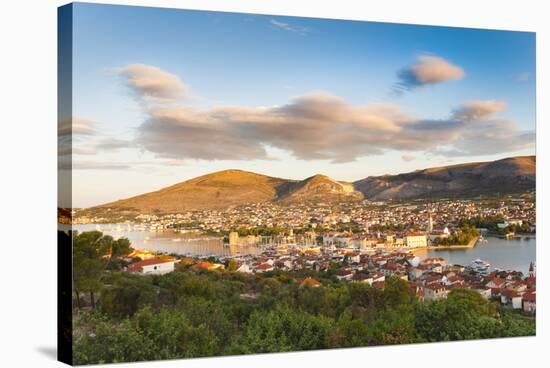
[513,254]
[170,241]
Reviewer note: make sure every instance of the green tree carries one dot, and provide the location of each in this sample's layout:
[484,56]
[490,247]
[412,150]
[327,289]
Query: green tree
[232,265]
[127,294]
[87,264]
[465,314]
[93,252]
[283,329]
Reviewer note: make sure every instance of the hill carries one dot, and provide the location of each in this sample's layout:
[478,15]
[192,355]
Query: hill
[228,188]
[318,188]
[510,175]
[213,191]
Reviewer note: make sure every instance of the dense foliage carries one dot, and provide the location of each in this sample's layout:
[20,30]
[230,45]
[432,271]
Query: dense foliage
[93,254]
[462,236]
[190,313]
[492,223]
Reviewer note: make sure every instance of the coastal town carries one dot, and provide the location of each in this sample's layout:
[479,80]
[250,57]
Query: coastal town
[356,242]
[430,278]
[364,222]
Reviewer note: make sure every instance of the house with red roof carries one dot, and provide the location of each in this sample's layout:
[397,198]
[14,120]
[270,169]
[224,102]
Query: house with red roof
[344,274]
[435,291]
[496,283]
[511,297]
[152,266]
[454,280]
[207,266]
[263,267]
[530,302]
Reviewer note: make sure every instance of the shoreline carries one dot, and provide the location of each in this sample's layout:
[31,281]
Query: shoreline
[470,245]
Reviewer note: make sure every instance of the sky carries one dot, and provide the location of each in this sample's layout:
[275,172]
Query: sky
[164,95]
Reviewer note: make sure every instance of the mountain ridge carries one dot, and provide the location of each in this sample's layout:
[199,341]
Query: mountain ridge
[234,187]
[508,175]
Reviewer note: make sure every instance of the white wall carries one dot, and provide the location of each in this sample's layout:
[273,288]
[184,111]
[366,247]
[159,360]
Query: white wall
[159,269]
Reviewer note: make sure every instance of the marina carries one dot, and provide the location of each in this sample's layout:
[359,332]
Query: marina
[505,254]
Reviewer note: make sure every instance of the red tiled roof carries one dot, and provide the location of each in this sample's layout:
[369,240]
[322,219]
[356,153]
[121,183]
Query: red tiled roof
[310,281]
[148,262]
[498,282]
[455,278]
[264,266]
[202,266]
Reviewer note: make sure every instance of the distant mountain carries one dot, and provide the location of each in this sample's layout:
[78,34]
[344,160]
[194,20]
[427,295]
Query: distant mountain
[228,188]
[510,175]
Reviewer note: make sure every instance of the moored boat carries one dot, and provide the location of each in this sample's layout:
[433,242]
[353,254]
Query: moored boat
[480,266]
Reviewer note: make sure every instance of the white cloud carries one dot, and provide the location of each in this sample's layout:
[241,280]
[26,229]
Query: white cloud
[288,27]
[309,127]
[476,110]
[153,84]
[320,126]
[428,70]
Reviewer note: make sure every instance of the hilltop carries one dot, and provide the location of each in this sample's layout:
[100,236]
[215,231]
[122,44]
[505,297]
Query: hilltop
[319,188]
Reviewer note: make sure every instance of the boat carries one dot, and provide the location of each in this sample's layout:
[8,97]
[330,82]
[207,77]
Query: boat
[480,266]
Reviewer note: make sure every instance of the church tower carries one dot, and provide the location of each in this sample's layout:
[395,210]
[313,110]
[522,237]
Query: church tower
[531,270]
[430,224]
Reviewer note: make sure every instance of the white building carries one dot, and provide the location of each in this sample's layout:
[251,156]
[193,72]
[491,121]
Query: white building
[434,292]
[245,268]
[153,266]
[416,240]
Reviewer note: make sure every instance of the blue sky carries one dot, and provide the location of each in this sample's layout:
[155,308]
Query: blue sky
[241,75]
